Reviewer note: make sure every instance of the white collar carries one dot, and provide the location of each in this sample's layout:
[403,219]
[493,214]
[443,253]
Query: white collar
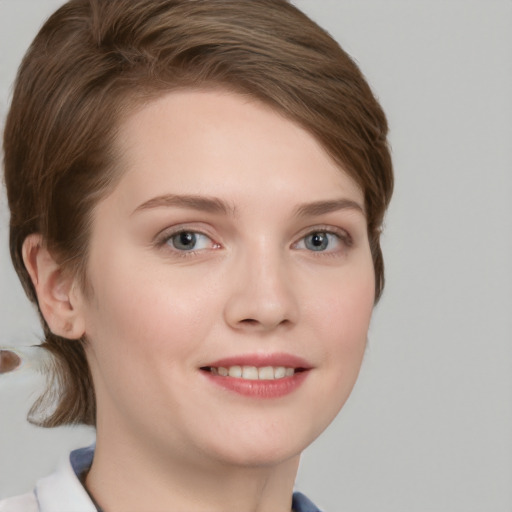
[62,491]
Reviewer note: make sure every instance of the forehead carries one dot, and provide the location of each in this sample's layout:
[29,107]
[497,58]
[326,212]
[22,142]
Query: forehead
[214,142]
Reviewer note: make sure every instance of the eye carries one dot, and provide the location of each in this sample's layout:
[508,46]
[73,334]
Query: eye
[317,241]
[322,241]
[190,241]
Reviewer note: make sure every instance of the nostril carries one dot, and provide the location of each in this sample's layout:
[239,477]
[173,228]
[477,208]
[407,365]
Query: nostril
[249,321]
[264,324]
[9,361]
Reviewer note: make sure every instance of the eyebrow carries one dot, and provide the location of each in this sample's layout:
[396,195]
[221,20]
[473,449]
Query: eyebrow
[194,202]
[323,207]
[216,205]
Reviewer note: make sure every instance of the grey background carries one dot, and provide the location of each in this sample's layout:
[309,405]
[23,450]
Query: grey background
[429,424]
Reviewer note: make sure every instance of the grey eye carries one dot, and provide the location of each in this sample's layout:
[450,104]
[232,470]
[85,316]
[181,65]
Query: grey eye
[184,241]
[190,241]
[318,241]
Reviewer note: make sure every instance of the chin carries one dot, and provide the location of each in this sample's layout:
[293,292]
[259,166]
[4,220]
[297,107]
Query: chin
[268,447]
[262,457]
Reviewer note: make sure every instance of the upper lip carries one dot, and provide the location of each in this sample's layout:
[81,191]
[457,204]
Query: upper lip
[261,360]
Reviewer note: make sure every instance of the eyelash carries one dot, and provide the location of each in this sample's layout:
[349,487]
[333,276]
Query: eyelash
[341,235]
[166,237]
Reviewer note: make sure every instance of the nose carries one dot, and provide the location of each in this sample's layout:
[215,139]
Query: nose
[263,295]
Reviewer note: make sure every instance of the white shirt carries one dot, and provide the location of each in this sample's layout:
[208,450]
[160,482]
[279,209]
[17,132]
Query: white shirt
[63,492]
[59,492]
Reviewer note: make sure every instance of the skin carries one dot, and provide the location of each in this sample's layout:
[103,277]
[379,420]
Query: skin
[252,285]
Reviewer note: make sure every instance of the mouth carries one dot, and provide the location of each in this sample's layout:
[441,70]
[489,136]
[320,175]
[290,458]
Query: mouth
[253,372]
[258,376]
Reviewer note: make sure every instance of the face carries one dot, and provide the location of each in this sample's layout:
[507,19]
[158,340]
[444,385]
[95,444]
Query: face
[232,283]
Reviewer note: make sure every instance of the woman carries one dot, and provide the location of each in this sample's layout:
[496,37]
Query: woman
[196,191]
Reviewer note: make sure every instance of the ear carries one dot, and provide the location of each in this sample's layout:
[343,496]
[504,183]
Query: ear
[57,291]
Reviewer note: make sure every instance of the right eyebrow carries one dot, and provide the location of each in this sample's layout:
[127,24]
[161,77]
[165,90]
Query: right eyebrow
[194,202]
[323,207]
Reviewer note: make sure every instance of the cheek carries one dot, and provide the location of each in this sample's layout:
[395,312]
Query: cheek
[342,319]
[344,305]
[339,318]
[143,332]
[151,312]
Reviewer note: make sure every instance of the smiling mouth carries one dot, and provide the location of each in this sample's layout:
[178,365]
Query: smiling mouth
[253,372]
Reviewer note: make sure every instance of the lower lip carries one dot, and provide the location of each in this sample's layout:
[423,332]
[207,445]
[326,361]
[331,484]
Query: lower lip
[259,388]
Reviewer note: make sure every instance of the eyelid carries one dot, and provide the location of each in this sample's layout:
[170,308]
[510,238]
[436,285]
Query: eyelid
[343,235]
[161,239]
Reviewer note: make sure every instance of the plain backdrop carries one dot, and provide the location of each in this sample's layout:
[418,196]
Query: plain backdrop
[428,427]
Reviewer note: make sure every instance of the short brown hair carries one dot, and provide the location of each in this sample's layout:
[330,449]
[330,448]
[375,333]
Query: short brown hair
[93,61]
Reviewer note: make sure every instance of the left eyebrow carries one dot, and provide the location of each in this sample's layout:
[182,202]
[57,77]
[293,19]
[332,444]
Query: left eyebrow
[194,202]
[323,207]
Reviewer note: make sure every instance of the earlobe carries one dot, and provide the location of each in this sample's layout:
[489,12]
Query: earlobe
[56,290]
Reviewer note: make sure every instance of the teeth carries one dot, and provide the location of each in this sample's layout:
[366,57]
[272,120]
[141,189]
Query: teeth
[235,371]
[266,373]
[254,373]
[280,372]
[250,372]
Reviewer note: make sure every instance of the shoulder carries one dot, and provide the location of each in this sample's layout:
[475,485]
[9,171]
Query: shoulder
[62,491]
[58,492]
[302,503]
[23,503]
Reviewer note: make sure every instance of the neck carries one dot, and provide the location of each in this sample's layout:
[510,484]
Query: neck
[127,477]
